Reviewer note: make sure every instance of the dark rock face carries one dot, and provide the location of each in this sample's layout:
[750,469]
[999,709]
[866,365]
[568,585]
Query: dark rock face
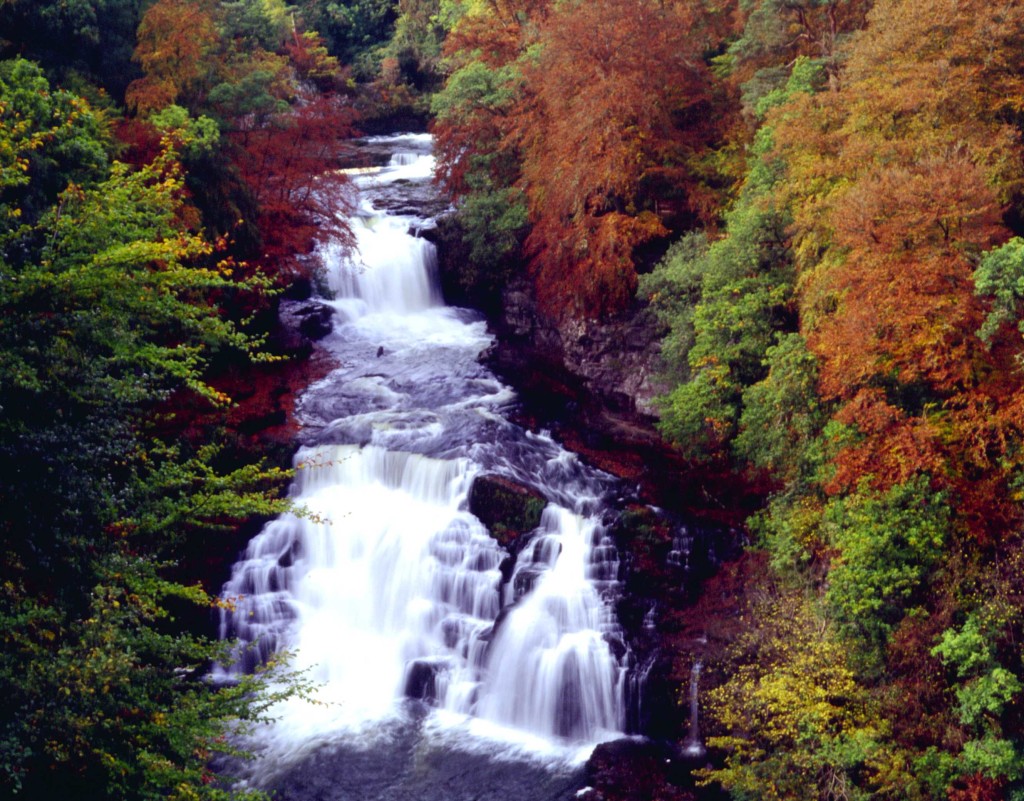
[315,320]
[593,384]
[617,361]
[509,510]
[300,323]
[421,680]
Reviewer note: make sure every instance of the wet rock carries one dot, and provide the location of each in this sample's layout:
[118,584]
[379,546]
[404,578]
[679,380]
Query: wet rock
[509,510]
[404,765]
[525,580]
[300,323]
[421,680]
[631,770]
[315,321]
[617,361]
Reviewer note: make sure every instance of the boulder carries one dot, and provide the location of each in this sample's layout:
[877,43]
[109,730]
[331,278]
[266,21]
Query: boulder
[510,510]
[316,321]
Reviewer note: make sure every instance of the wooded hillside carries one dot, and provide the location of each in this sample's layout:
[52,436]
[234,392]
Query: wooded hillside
[840,182]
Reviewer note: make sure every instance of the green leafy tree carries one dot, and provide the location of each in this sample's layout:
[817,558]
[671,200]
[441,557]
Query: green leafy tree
[47,138]
[886,548]
[356,31]
[982,655]
[1000,277]
[108,321]
[728,300]
[90,39]
[782,416]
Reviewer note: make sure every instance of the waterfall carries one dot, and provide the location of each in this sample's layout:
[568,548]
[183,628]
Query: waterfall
[386,587]
[693,746]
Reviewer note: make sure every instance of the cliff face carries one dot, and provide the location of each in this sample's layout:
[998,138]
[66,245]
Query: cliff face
[592,383]
[614,363]
[606,370]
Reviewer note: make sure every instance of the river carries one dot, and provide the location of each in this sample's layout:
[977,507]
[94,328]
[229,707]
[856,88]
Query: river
[444,670]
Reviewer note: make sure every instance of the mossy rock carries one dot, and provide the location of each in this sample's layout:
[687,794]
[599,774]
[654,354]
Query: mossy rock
[508,509]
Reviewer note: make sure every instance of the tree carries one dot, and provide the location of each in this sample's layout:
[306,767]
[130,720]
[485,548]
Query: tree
[885,548]
[176,40]
[981,656]
[739,292]
[108,310]
[777,32]
[791,719]
[355,31]
[595,113]
[74,39]
[596,142]
[291,166]
[47,138]
[891,186]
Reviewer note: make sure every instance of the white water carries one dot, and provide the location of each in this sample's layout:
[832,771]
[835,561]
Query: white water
[390,586]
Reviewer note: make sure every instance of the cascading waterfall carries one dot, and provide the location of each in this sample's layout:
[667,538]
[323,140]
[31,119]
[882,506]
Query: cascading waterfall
[693,746]
[388,587]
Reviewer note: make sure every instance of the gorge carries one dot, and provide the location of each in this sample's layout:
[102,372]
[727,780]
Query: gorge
[429,640]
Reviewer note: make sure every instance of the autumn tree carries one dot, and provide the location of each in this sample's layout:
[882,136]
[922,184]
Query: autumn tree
[591,148]
[478,158]
[792,720]
[892,183]
[896,182]
[600,141]
[290,164]
[270,183]
[176,39]
[863,354]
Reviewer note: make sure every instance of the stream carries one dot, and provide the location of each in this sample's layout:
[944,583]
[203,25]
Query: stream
[447,668]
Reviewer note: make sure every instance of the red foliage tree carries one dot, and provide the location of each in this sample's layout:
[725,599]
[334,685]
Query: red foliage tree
[291,165]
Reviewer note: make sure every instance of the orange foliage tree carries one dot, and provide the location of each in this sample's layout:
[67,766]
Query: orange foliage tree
[595,111]
[621,111]
[175,41]
[475,114]
[891,181]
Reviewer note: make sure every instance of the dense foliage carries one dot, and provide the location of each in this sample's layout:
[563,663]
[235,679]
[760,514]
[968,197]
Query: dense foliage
[845,311]
[593,158]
